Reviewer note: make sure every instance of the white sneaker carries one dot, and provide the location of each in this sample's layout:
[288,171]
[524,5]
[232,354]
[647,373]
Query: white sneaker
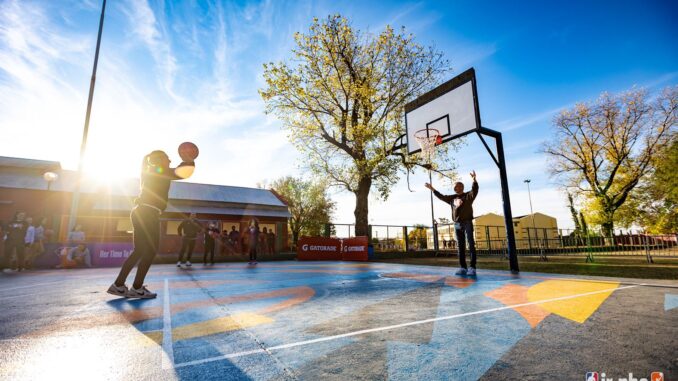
[179,264]
[471,271]
[188,263]
[140,293]
[461,271]
[118,290]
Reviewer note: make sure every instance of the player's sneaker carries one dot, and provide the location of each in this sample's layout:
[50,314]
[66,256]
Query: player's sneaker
[461,271]
[179,264]
[471,271]
[141,293]
[118,290]
[188,263]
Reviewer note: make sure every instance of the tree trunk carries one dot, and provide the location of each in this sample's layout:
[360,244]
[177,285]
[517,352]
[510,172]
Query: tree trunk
[295,238]
[361,206]
[608,226]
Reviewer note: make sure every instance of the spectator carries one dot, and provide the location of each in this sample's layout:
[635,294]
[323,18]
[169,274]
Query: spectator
[263,241]
[76,236]
[38,247]
[234,238]
[188,230]
[271,241]
[252,236]
[210,234]
[15,241]
[77,257]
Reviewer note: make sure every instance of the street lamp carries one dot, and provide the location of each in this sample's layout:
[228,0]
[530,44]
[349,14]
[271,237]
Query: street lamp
[534,227]
[50,177]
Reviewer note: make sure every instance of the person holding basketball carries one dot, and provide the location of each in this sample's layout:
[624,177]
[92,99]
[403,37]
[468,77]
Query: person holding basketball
[156,176]
[462,216]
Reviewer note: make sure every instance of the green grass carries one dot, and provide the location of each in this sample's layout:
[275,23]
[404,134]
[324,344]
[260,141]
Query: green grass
[624,267]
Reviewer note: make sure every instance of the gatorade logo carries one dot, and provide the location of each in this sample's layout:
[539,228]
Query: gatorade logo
[657,376]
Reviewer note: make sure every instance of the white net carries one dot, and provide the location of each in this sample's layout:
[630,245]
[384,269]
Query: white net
[427,140]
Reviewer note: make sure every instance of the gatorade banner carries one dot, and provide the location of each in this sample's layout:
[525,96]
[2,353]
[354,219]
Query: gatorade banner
[354,249]
[318,249]
[332,249]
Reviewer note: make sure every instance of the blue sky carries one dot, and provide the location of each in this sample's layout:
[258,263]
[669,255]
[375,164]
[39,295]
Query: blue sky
[190,70]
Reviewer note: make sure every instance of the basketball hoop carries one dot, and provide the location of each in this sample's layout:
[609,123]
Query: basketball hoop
[428,139]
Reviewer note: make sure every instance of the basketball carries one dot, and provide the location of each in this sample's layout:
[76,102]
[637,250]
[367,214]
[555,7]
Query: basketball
[188,151]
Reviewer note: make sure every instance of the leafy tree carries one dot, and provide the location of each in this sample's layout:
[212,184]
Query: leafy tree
[602,150]
[341,99]
[309,204]
[654,203]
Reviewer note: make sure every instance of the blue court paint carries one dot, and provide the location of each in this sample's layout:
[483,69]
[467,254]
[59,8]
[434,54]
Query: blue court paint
[670,301]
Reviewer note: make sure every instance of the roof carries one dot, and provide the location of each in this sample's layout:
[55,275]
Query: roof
[17,162]
[12,176]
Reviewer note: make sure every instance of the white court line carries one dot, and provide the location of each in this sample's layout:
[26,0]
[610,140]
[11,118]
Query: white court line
[386,328]
[168,355]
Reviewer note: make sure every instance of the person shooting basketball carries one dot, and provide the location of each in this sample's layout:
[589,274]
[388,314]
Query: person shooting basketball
[462,216]
[156,176]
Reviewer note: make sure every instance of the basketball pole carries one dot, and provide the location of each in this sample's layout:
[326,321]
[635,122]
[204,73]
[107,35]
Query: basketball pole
[76,193]
[506,199]
[434,229]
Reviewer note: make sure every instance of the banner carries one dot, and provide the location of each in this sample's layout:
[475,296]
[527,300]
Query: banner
[354,249]
[101,254]
[332,249]
[110,254]
[318,249]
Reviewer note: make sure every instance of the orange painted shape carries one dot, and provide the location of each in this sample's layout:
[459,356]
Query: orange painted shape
[458,282]
[512,294]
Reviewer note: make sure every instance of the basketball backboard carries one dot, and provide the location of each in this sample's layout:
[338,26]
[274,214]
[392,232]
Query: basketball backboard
[451,108]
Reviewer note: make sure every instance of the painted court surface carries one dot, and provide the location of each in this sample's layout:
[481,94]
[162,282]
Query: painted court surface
[335,320]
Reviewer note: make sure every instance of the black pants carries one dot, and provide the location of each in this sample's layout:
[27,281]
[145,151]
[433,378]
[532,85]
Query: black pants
[10,246]
[253,251]
[209,248]
[187,246]
[466,232]
[146,225]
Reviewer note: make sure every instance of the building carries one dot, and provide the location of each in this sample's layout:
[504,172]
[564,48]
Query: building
[104,209]
[490,232]
[536,231]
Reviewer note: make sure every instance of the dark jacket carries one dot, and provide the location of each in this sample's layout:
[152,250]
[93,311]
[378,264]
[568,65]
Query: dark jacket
[189,228]
[463,212]
[16,231]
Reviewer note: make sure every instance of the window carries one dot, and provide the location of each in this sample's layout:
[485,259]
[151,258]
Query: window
[172,227]
[124,225]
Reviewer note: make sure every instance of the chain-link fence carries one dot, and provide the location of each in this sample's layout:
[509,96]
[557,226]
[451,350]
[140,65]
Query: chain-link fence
[491,240]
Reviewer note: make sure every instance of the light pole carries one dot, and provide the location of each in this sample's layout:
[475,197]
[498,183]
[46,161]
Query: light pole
[50,177]
[534,227]
[76,193]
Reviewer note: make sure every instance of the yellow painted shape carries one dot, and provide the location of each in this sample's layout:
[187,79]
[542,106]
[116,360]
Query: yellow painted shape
[577,308]
[219,325]
[152,338]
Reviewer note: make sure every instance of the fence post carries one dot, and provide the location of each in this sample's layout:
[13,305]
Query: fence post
[406,239]
[529,240]
[589,255]
[647,250]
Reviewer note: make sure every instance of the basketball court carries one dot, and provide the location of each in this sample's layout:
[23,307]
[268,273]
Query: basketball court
[334,320]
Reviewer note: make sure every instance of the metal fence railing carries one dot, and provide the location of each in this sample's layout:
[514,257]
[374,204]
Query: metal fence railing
[491,240]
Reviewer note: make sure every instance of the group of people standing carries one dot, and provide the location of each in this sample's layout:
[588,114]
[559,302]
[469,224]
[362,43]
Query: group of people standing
[21,238]
[253,241]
